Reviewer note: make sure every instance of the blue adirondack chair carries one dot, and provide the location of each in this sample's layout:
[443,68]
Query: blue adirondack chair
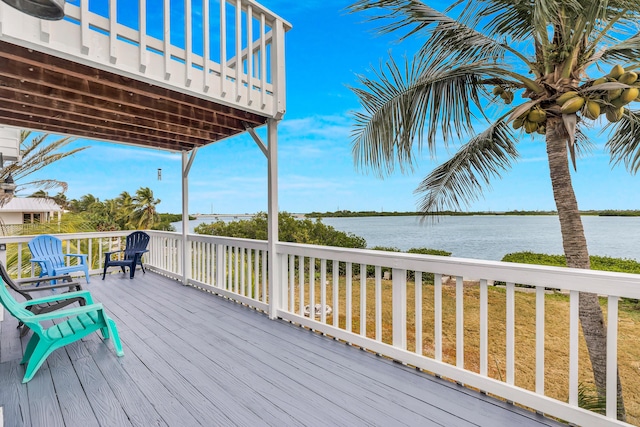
[136,246]
[47,252]
[79,322]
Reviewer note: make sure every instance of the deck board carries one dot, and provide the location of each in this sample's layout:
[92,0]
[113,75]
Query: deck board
[192,358]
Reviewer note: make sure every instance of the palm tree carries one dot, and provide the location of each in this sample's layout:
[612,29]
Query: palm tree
[36,153]
[547,55]
[126,207]
[145,215]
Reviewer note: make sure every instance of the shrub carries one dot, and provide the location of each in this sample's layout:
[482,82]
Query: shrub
[620,265]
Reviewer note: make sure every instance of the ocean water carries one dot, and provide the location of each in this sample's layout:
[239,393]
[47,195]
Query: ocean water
[490,237]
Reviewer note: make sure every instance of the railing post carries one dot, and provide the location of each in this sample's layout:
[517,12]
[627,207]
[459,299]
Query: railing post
[399,303]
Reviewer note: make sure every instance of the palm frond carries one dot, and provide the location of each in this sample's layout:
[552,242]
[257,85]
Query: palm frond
[447,37]
[627,52]
[624,144]
[43,184]
[461,179]
[403,106]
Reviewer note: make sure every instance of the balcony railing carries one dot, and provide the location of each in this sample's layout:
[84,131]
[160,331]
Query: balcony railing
[230,51]
[435,313]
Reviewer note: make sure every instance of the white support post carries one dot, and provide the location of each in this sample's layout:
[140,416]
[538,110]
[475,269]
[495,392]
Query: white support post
[272,214]
[186,253]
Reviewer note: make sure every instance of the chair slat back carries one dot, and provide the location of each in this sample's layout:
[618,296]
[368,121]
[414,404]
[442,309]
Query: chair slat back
[136,241]
[47,247]
[12,306]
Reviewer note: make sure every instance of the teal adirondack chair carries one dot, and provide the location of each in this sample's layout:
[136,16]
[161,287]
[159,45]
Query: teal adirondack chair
[47,251]
[71,325]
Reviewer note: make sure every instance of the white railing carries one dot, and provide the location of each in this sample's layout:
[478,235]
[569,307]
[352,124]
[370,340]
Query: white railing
[234,268]
[16,254]
[412,308]
[230,51]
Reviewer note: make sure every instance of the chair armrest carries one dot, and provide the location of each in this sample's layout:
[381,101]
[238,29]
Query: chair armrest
[65,313]
[67,295]
[83,257]
[113,252]
[48,266]
[67,278]
[70,285]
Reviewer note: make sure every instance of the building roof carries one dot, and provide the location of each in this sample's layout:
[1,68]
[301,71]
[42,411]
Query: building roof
[30,204]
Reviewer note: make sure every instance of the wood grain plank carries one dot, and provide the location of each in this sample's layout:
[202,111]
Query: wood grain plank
[139,410]
[74,405]
[201,406]
[44,410]
[168,406]
[106,407]
[13,395]
[10,345]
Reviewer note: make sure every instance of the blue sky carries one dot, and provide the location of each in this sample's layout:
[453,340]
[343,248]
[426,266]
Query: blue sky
[324,51]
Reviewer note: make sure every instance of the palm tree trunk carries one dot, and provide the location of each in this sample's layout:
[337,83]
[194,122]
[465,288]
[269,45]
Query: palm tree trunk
[575,249]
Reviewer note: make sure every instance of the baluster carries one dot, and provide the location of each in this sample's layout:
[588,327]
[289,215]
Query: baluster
[378,294]
[540,340]
[256,274]
[323,290]
[437,312]
[484,327]
[188,41]
[206,47]
[612,356]
[510,333]
[574,298]
[239,64]
[264,276]
[167,39]
[142,35]
[348,305]
[459,322]
[223,48]
[301,283]
[336,294]
[418,310]
[249,52]
[84,26]
[243,282]
[312,287]
[263,62]
[292,281]
[363,300]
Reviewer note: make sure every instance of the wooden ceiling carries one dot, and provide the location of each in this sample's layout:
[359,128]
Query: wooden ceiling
[47,93]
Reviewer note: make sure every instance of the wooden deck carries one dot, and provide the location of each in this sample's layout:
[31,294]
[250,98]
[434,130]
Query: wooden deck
[192,359]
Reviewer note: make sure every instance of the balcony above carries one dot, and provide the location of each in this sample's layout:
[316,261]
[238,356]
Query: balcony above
[123,71]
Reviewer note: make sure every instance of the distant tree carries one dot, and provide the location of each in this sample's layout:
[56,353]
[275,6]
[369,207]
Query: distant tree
[290,229]
[126,207]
